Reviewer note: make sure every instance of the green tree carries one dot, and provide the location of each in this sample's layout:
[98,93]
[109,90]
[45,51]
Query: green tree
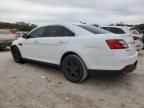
[20,26]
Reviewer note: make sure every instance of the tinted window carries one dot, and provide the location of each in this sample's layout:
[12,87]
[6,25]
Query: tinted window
[57,31]
[95,30]
[117,30]
[106,28]
[114,30]
[37,33]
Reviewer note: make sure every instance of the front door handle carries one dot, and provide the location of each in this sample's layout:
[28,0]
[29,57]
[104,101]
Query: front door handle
[20,44]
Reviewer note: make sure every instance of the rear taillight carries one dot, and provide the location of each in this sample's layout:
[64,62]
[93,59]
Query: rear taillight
[117,44]
[136,38]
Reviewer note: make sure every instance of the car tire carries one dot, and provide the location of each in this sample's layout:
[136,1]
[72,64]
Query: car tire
[16,55]
[74,69]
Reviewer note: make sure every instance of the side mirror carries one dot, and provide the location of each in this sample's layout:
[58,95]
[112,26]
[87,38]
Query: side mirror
[25,36]
[18,35]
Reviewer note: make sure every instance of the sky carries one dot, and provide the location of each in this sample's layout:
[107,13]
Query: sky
[42,12]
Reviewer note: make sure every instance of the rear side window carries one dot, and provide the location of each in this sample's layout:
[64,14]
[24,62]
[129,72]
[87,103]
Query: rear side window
[106,28]
[114,30]
[94,30]
[57,31]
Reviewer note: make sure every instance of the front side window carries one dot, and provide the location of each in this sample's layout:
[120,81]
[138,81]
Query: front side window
[37,33]
[94,30]
[57,31]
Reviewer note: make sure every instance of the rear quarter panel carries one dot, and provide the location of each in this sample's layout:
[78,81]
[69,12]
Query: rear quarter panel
[87,47]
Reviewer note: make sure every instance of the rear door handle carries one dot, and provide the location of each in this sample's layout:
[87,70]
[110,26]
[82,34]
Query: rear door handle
[61,41]
[35,42]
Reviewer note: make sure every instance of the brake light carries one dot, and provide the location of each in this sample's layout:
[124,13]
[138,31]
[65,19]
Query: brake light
[117,44]
[136,38]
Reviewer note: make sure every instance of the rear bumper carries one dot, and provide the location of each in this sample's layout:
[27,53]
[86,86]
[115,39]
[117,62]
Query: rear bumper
[130,68]
[111,62]
[126,69]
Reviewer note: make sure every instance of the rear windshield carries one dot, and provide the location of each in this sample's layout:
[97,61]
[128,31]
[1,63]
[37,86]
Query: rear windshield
[114,30]
[134,31]
[94,30]
[3,31]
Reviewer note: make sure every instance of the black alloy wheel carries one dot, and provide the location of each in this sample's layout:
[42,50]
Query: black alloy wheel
[74,69]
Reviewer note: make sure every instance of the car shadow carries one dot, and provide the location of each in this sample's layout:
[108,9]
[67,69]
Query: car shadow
[107,76]
[102,82]
[111,80]
[94,77]
[43,66]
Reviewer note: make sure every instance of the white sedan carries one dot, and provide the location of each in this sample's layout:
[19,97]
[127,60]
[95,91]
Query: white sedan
[77,49]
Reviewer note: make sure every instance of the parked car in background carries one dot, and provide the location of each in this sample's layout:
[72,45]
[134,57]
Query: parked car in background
[129,31]
[13,31]
[6,38]
[77,49]
[142,32]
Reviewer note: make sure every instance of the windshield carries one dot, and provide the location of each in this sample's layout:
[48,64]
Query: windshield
[134,31]
[4,31]
[93,29]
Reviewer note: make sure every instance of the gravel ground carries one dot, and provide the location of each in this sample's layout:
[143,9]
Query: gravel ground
[33,85]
